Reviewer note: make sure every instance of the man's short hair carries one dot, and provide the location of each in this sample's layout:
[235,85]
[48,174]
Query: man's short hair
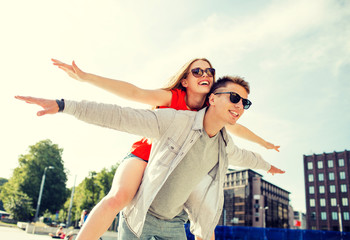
[223,81]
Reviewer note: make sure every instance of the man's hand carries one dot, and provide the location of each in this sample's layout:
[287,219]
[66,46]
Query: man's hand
[273,170]
[72,70]
[49,106]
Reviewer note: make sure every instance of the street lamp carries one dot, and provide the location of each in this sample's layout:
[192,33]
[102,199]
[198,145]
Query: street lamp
[41,192]
[264,209]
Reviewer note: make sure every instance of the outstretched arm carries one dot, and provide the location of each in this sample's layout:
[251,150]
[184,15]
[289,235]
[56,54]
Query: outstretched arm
[49,106]
[140,122]
[247,159]
[157,97]
[243,132]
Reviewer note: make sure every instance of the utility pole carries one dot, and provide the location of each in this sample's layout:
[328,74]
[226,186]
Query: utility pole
[41,193]
[71,203]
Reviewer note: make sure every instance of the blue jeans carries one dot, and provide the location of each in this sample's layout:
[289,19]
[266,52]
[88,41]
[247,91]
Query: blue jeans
[155,228]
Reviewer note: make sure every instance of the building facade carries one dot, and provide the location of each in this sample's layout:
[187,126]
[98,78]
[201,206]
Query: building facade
[252,201]
[299,220]
[327,191]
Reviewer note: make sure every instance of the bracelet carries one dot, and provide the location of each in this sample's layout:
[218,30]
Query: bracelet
[60,104]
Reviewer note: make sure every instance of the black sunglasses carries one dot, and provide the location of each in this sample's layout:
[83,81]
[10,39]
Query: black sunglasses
[198,72]
[235,98]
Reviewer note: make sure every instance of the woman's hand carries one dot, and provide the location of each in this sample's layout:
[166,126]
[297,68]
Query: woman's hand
[49,106]
[269,145]
[72,70]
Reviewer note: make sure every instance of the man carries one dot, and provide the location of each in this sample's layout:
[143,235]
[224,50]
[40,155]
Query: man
[188,162]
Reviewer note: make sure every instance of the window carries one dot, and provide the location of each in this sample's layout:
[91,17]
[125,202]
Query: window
[323,216]
[332,188]
[341,162]
[346,215]
[309,165]
[333,202]
[321,189]
[311,190]
[312,202]
[320,164]
[330,163]
[331,176]
[342,175]
[334,216]
[311,178]
[343,188]
[322,202]
[313,216]
[320,177]
[345,201]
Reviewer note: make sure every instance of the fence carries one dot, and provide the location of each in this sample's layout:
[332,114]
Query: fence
[254,233]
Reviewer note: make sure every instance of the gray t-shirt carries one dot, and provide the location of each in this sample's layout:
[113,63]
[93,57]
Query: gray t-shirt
[202,157]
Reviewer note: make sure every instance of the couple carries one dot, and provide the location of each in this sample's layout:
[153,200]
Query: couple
[189,157]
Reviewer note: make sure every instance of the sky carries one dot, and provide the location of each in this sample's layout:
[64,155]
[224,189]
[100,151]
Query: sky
[294,53]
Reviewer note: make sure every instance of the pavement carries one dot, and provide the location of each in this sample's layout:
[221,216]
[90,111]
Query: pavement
[15,233]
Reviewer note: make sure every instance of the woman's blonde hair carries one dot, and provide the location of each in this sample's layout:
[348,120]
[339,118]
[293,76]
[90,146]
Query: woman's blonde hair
[175,81]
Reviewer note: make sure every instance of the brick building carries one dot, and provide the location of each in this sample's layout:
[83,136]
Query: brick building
[327,191]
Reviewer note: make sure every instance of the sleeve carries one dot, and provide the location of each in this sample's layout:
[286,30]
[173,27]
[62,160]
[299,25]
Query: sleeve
[141,122]
[244,158]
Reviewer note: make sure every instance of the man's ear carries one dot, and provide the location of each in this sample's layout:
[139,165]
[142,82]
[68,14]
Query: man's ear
[184,83]
[211,99]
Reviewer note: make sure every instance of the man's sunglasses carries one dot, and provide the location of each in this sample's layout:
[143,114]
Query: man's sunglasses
[198,72]
[235,98]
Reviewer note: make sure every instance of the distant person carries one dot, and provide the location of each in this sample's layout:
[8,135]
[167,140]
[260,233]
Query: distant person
[83,217]
[59,233]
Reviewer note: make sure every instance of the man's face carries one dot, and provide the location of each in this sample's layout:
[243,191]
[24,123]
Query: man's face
[227,111]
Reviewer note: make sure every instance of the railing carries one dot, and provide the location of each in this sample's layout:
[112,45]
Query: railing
[254,233]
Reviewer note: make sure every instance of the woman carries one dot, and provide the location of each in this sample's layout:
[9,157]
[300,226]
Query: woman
[187,90]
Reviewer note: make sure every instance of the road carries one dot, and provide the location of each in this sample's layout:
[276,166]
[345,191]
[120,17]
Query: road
[13,233]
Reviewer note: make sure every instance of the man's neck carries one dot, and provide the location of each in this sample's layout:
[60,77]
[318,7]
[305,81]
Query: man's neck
[211,123]
[195,101]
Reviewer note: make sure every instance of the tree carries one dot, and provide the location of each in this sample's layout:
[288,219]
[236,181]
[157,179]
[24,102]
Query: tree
[91,190]
[27,177]
[2,182]
[20,206]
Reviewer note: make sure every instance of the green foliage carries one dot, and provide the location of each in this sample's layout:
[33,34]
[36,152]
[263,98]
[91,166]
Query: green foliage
[19,205]
[91,190]
[28,176]
[2,182]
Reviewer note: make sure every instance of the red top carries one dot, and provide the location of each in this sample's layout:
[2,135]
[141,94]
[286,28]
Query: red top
[142,148]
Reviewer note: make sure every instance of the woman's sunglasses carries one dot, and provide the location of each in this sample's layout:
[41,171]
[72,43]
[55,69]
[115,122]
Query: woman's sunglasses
[198,72]
[235,98]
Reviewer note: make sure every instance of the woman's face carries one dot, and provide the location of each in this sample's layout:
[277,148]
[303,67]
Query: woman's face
[198,84]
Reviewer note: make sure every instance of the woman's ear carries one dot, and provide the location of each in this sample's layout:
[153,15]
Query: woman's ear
[184,83]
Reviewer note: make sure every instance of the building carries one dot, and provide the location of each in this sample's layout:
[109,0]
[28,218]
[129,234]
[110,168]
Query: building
[252,201]
[327,191]
[299,220]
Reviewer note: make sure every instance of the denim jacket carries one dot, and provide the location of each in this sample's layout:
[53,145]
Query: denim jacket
[173,133]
